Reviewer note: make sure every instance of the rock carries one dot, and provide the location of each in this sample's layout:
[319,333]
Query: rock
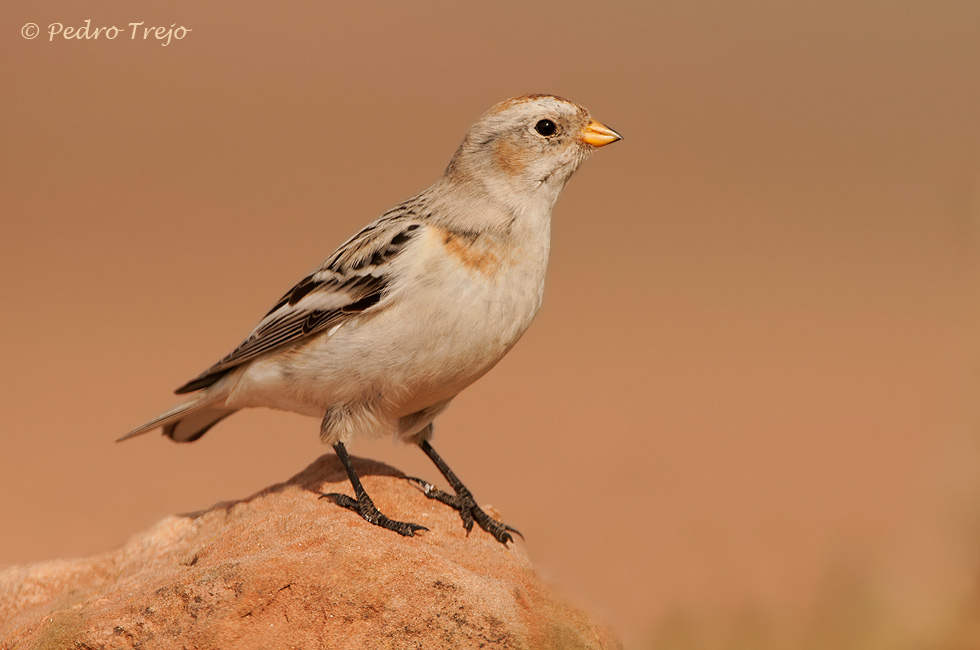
[286,569]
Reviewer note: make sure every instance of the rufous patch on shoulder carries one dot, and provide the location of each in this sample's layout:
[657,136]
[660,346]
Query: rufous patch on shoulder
[471,252]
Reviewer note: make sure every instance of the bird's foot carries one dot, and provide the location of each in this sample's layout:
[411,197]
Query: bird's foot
[464,503]
[366,508]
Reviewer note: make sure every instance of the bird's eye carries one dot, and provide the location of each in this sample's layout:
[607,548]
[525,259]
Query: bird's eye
[546,128]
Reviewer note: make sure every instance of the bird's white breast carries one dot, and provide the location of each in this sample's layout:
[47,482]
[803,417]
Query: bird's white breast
[469,303]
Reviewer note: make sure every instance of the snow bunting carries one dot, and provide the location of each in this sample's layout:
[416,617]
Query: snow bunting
[415,307]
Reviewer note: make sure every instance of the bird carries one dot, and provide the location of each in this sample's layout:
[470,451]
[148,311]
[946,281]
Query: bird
[415,307]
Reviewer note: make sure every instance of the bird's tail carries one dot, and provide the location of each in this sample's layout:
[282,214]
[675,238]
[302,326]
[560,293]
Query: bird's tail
[186,422]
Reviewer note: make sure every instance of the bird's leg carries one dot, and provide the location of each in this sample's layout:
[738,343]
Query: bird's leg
[463,500]
[363,504]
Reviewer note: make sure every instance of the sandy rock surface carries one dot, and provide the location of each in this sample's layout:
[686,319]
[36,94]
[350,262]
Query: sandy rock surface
[286,569]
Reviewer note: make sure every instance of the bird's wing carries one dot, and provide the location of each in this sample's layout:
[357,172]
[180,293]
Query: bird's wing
[354,280]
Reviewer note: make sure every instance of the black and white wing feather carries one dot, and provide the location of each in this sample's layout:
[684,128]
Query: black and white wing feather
[353,281]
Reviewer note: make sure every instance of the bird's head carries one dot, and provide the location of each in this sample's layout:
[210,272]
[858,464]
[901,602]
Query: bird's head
[526,148]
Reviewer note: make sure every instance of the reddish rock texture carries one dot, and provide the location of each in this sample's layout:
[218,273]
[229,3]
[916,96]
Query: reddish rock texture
[285,569]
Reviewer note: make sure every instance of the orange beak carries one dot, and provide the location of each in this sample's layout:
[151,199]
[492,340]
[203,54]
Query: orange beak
[598,134]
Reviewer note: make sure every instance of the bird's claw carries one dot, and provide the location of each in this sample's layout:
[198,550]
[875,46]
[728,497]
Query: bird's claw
[464,503]
[371,514]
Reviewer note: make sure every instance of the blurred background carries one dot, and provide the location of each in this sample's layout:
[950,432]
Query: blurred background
[746,415]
